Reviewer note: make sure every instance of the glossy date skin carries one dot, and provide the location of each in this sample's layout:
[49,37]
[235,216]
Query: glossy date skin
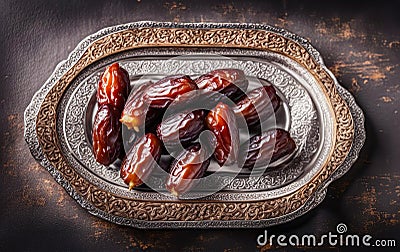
[172,88]
[221,122]
[183,127]
[141,160]
[265,148]
[113,87]
[137,114]
[106,135]
[257,105]
[186,169]
[229,82]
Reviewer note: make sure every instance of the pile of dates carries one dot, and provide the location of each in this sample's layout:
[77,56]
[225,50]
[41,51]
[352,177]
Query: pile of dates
[142,108]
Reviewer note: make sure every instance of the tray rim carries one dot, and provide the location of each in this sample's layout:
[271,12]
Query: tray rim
[154,25]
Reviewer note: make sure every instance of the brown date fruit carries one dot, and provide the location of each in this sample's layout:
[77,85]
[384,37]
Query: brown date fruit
[230,82]
[140,160]
[186,169]
[265,148]
[106,135]
[162,93]
[137,113]
[222,123]
[258,105]
[181,127]
[113,87]
[165,162]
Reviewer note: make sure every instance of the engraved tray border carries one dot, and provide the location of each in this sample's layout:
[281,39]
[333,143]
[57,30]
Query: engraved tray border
[41,135]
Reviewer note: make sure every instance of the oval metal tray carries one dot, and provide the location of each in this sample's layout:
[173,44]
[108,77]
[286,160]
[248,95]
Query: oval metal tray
[322,117]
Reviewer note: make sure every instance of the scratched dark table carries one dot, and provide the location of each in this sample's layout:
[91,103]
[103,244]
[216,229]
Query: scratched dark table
[359,43]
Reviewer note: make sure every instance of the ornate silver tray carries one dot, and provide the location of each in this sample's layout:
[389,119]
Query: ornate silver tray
[321,116]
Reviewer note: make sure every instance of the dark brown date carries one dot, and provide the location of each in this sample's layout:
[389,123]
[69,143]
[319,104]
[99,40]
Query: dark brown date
[230,82]
[113,88]
[257,105]
[137,113]
[186,169]
[182,127]
[265,148]
[222,122]
[162,93]
[140,160]
[106,135]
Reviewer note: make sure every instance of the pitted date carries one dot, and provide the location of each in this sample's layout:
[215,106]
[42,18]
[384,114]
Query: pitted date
[183,127]
[265,148]
[137,113]
[113,87]
[106,135]
[258,105]
[140,160]
[189,166]
[162,93]
[230,82]
[222,122]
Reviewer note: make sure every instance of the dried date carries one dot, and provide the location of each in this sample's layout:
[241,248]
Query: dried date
[265,148]
[162,93]
[182,127]
[113,87]
[141,160]
[229,82]
[189,166]
[106,135]
[137,113]
[258,105]
[222,123]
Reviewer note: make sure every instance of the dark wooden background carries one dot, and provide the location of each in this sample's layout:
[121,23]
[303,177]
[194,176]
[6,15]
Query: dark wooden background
[359,41]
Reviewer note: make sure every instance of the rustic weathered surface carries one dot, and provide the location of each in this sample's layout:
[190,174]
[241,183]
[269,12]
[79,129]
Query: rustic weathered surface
[360,43]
